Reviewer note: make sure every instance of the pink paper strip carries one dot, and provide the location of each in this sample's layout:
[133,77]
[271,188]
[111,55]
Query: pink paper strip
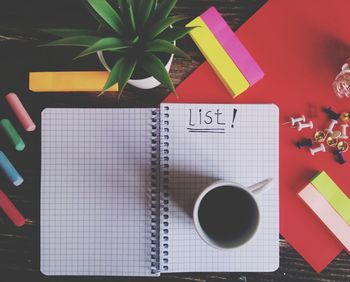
[327,214]
[233,46]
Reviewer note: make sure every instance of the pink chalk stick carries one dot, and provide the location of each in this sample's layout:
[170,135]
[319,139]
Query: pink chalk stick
[20,112]
[320,206]
[233,46]
[11,211]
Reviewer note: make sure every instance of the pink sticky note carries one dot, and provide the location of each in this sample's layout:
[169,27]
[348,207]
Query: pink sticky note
[233,46]
[327,214]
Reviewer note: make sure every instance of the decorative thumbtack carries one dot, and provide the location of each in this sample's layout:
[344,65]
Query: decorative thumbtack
[340,157]
[302,126]
[343,131]
[333,139]
[314,151]
[294,121]
[320,136]
[331,114]
[332,142]
[331,126]
[345,117]
[304,143]
[343,146]
[336,134]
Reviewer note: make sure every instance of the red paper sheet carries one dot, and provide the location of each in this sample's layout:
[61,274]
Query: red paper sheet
[301,46]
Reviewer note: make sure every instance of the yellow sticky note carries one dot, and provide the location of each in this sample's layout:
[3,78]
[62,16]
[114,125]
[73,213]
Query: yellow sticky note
[333,194]
[70,81]
[217,57]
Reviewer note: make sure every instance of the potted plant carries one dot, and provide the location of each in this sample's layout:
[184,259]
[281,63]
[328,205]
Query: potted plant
[135,41]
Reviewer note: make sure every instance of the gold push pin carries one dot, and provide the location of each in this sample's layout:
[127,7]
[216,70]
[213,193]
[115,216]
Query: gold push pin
[336,134]
[332,142]
[345,117]
[320,136]
[343,146]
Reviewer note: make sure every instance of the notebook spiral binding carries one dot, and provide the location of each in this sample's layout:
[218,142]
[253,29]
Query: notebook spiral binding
[165,194]
[154,193]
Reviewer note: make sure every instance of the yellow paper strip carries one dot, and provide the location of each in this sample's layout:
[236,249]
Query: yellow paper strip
[71,81]
[333,194]
[217,57]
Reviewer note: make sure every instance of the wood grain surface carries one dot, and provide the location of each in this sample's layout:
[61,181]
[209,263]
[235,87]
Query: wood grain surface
[20,22]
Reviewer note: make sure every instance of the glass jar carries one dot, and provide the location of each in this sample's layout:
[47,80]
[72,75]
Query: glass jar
[341,84]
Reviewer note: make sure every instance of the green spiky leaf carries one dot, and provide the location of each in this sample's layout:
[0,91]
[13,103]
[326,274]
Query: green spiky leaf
[120,73]
[163,46]
[128,12]
[145,11]
[131,16]
[175,33]
[70,32]
[104,44]
[122,5]
[158,27]
[154,66]
[105,14]
[135,5]
[164,8]
[82,40]
[155,5]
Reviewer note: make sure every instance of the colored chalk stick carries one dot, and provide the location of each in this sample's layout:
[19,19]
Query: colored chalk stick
[71,81]
[10,209]
[12,134]
[217,57]
[10,171]
[326,213]
[232,45]
[21,113]
[333,194]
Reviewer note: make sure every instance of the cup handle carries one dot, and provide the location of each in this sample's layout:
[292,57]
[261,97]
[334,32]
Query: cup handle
[261,187]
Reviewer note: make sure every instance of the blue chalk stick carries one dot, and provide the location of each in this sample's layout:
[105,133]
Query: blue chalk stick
[9,170]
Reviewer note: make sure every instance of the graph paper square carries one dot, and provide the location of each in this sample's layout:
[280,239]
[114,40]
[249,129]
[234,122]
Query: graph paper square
[95,192]
[192,158]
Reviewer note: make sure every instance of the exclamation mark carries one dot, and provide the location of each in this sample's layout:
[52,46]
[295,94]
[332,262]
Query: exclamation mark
[234,117]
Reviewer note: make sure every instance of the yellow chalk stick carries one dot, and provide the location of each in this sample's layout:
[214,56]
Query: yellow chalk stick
[70,81]
[217,57]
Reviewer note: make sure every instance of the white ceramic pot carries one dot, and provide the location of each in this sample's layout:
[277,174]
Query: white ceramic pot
[145,83]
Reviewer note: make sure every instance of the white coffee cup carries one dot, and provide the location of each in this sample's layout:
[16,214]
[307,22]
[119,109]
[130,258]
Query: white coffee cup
[226,215]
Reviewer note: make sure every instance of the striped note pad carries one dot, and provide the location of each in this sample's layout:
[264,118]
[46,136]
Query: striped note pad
[233,46]
[330,205]
[225,53]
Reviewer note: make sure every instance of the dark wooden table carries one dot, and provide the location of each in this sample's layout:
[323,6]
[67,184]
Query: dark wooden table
[19,21]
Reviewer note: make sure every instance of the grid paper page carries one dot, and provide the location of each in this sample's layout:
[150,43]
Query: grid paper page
[95,192]
[192,158]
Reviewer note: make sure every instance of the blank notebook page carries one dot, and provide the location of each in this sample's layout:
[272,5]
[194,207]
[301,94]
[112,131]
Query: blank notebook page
[95,187]
[204,143]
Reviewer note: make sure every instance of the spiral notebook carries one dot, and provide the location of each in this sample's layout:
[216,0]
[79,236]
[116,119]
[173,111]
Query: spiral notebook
[118,185]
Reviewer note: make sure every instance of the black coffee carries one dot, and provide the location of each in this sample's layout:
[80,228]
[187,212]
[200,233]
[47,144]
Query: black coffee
[228,215]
